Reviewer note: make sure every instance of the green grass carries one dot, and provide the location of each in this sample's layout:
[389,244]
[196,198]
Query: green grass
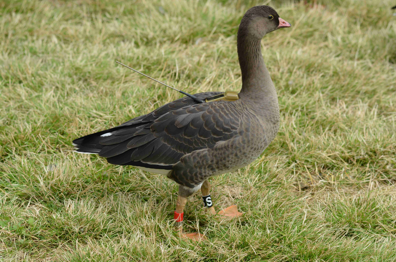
[323,191]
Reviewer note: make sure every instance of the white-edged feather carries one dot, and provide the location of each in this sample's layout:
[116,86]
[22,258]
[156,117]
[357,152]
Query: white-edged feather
[155,171]
[157,164]
[87,153]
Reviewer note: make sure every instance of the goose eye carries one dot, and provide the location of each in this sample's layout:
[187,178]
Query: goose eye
[270,17]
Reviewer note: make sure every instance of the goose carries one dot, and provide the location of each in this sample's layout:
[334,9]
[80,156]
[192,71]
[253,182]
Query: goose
[189,141]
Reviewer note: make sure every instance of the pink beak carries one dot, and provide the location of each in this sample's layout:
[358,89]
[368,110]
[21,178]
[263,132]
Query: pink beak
[283,23]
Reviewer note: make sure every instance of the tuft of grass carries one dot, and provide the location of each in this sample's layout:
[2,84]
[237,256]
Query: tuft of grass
[324,190]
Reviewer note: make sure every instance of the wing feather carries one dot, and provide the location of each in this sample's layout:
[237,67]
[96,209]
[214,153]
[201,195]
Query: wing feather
[160,139]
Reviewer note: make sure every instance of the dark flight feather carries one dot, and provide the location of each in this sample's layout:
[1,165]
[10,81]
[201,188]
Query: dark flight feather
[163,136]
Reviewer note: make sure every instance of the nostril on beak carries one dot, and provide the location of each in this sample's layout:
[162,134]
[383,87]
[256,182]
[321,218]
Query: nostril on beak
[283,23]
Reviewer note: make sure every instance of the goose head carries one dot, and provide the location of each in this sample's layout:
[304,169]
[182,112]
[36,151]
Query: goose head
[261,20]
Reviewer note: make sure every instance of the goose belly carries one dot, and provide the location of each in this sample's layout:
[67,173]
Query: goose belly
[224,157]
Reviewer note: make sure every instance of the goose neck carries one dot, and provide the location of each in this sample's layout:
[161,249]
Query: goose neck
[256,80]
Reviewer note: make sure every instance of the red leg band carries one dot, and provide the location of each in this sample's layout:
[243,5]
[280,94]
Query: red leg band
[178,217]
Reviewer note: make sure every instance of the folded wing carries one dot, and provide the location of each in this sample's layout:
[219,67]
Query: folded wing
[158,140]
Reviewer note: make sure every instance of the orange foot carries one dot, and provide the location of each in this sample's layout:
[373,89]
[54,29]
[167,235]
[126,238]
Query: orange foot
[193,236]
[231,212]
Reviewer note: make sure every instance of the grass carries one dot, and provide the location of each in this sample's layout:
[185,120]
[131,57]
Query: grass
[323,191]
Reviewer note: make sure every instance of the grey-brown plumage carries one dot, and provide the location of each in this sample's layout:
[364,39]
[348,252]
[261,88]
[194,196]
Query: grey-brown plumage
[191,142]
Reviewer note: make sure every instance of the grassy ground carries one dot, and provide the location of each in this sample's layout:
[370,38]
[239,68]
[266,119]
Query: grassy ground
[323,191]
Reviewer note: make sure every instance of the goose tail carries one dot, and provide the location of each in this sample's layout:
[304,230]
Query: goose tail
[89,144]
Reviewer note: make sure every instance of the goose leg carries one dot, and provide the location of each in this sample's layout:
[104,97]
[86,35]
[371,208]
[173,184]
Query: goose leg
[184,193]
[205,189]
[231,211]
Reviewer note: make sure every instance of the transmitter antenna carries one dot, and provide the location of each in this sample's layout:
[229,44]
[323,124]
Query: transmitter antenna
[184,93]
